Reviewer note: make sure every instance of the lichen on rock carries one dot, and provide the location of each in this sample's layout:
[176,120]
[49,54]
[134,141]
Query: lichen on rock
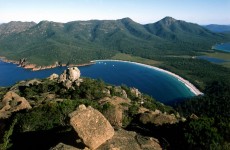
[91,126]
[12,102]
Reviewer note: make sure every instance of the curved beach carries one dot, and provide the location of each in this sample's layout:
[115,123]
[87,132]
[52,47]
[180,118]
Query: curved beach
[191,87]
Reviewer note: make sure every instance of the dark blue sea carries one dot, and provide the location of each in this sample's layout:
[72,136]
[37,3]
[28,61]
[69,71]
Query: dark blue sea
[223,47]
[159,85]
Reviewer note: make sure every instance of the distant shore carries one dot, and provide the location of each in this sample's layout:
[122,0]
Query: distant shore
[191,87]
[34,67]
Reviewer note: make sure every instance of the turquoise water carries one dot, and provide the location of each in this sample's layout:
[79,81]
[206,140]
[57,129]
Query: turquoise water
[159,85]
[212,59]
[222,47]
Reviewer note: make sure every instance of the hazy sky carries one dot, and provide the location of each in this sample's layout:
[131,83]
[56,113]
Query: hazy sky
[142,11]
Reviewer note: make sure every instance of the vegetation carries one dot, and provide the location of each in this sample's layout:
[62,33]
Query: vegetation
[211,129]
[199,72]
[83,41]
[127,57]
[220,55]
[6,138]
[51,115]
[169,44]
[218,28]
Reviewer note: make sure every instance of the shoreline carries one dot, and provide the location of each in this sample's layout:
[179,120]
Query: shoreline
[189,85]
[34,67]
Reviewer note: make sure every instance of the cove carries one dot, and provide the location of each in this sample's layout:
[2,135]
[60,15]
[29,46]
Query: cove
[222,47]
[160,85]
[212,59]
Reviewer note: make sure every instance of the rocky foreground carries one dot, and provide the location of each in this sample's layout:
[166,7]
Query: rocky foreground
[89,113]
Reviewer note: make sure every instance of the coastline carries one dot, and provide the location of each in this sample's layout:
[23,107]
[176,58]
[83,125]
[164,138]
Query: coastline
[189,85]
[222,49]
[34,67]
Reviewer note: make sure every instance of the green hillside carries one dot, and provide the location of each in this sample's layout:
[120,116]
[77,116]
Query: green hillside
[81,41]
[218,28]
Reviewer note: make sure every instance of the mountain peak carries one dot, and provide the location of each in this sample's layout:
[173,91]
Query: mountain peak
[44,22]
[127,19]
[15,27]
[168,20]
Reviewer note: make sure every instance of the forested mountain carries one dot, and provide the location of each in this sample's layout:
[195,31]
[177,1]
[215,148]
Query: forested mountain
[218,28]
[14,27]
[81,41]
[177,30]
[169,41]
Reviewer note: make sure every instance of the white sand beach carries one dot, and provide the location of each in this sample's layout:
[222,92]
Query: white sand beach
[191,87]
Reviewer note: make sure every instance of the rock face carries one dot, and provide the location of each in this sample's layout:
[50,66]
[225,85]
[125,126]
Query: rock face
[14,27]
[70,76]
[136,92]
[122,140]
[53,76]
[92,127]
[114,113]
[121,92]
[32,82]
[12,102]
[128,140]
[22,62]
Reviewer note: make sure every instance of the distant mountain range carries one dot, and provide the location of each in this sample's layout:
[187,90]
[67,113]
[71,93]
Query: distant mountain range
[81,41]
[218,28]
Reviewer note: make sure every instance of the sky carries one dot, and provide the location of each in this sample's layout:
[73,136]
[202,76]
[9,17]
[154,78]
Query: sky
[142,11]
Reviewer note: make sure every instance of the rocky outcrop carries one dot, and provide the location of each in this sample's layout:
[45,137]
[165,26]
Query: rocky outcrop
[22,62]
[32,82]
[122,140]
[193,117]
[53,76]
[120,92]
[29,66]
[70,76]
[91,126]
[135,92]
[128,140]
[157,118]
[14,27]
[12,102]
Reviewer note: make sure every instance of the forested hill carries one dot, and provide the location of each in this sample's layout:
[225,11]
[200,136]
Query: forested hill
[218,28]
[81,41]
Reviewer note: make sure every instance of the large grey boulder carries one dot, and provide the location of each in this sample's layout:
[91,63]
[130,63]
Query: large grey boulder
[91,126]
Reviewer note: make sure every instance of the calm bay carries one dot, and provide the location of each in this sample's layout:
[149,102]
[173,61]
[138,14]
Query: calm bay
[222,47]
[158,84]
